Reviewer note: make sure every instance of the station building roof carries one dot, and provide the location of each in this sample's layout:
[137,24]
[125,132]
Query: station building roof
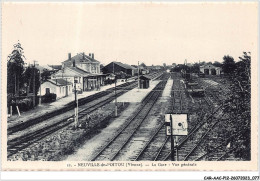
[81,58]
[59,82]
[145,77]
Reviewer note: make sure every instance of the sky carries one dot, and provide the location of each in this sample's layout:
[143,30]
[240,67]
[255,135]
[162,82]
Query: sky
[152,33]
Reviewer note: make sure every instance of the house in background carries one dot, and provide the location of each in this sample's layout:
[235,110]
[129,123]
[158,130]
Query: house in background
[209,69]
[142,69]
[43,68]
[46,71]
[154,68]
[117,67]
[60,87]
[55,67]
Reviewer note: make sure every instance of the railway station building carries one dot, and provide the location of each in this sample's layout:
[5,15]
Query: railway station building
[82,71]
[118,67]
[209,69]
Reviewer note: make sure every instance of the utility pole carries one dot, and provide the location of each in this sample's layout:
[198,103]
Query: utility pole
[66,87]
[138,76]
[199,68]
[15,88]
[34,83]
[186,69]
[76,104]
[66,91]
[115,90]
[177,153]
[172,141]
[40,98]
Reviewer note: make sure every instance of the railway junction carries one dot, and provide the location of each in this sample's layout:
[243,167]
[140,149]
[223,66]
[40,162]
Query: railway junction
[136,131]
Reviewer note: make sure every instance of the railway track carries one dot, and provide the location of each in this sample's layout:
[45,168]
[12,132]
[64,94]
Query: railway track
[188,147]
[115,147]
[159,144]
[192,147]
[177,107]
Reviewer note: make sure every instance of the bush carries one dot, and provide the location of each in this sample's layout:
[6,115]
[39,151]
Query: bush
[23,104]
[49,98]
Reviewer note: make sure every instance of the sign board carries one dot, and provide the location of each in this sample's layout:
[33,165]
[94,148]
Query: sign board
[179,124]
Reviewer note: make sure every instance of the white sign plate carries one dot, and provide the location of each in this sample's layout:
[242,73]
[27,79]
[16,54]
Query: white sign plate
[179,124]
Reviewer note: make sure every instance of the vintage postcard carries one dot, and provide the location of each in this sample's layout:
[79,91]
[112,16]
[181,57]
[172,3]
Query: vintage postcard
[143,86]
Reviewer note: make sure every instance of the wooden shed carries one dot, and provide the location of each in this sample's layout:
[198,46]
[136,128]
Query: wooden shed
[144,82]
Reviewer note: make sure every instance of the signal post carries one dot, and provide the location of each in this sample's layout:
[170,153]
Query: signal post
[176,125]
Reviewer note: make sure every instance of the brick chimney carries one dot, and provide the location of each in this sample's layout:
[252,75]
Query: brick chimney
[69,56]
[73,63]
[83,55]
[93,56]
[89,54]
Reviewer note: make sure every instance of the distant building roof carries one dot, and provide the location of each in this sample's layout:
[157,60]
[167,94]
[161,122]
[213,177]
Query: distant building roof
[43,67]
[135,66]
[57,67]
[59,82]
[124,65]
[154,67]
[82,58]
[207,66]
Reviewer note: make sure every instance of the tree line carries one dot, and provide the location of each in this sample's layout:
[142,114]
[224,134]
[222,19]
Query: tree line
[23,81]
[228,66]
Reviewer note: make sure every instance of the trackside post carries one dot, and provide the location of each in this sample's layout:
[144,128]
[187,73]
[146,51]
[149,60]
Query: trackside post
[176,125]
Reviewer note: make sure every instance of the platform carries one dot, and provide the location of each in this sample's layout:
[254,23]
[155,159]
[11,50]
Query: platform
[166,94]
[168,88]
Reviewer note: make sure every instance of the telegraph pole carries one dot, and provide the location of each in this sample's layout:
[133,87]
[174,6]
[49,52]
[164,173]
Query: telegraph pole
[138,76]
[172,141]
[66,93]
[115,90]
[34,83]
[177,153]
[40,98]
[76,104]
[199,68]
[67,87]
